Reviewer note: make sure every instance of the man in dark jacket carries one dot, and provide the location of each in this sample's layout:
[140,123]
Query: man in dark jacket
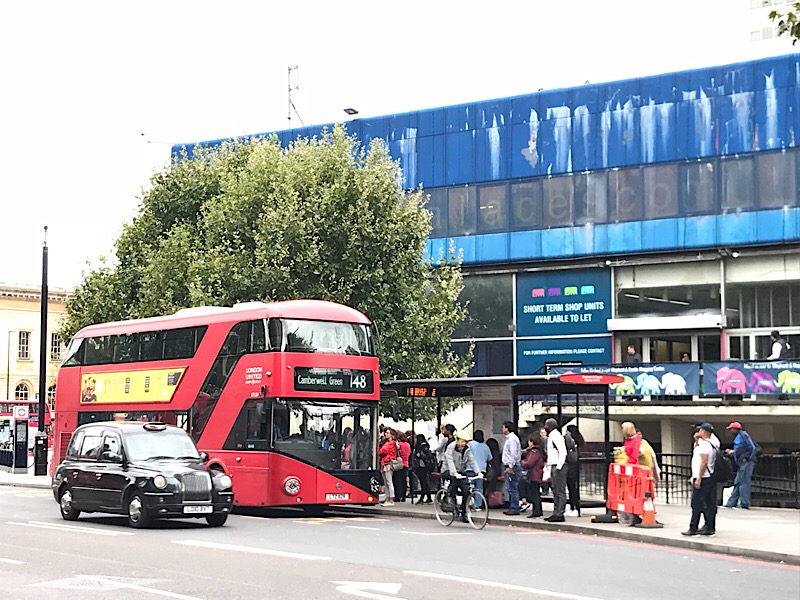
[745,455]
[459,460]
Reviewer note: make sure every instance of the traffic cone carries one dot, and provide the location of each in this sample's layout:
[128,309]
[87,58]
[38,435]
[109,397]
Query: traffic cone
[649,516]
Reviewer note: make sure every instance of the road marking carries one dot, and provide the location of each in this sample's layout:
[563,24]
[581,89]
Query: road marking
[360,589]
[531,532]
[252,550]
[77,528]
[428,533]
[362,527]
[323,520]
[505,586]
[11,561]
[99,583]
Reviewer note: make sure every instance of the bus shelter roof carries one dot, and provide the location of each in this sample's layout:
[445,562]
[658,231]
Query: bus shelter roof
[466,386]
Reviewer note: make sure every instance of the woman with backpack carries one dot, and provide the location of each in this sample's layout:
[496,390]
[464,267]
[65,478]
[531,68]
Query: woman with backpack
[534,464]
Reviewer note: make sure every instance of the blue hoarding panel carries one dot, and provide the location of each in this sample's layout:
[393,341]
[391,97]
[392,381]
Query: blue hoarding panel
[533,354]
[557,242]
[465,246]
[772,114]
[735,115]
[525,245]
[656,379]
[438,250]
[563,303]
[585,139]
[660,235]
[737,228]
[625,237]
[491,247]
[425,164]
[490,154]
[700,231]
[524,153]
[439,162]
[771,225]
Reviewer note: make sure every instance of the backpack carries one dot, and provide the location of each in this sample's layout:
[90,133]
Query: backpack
[723,471]
[786,349]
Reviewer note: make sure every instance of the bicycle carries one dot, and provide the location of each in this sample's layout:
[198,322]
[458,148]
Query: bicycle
[477,508]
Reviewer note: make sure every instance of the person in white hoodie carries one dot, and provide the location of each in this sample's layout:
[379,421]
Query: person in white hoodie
[556,464]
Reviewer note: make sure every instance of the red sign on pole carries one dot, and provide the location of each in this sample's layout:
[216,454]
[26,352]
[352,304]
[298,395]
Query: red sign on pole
[590,378]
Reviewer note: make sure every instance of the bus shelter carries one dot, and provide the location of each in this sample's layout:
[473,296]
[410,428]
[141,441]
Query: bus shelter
[513,392]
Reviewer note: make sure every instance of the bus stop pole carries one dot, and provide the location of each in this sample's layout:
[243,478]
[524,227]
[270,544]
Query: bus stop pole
[411,443]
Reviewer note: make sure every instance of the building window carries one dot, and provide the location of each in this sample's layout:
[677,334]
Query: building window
[777,183]
[738,183]
[21,391]
[557,201]
[696,187]
[24,345]
[624,195]
[461,210]
[660,191]
[493,208]
[55,346]
[438,207]
[755,36]
[51,394]
[526,204]
[591,199]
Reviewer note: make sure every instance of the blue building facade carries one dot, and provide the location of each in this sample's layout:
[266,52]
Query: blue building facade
[611,184]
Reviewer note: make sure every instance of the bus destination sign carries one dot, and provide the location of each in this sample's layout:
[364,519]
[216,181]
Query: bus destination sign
[333,380]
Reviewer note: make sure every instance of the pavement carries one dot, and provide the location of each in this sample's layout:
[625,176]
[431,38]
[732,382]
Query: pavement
[768,534]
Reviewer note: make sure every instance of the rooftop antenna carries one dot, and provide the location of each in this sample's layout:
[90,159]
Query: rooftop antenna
[292,107]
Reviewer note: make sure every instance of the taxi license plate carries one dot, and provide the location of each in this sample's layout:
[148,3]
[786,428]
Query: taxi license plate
[337,496]
[193,510]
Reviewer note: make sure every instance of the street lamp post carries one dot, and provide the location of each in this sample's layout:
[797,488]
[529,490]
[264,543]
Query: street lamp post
[40,442]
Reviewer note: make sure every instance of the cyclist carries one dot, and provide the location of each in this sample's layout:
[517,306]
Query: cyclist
[459,460]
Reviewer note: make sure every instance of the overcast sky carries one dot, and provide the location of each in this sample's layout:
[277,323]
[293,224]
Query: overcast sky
[94,93]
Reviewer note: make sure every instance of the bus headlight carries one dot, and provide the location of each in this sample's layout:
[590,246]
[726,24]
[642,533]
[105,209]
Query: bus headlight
[291,486]
[224,481]
[160,481]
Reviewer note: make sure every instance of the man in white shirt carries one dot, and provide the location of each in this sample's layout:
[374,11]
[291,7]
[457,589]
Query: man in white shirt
[512,455]
[556,463]
[704,488]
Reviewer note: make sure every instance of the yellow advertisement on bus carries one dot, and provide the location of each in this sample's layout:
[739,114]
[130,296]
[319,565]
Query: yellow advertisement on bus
[151,385]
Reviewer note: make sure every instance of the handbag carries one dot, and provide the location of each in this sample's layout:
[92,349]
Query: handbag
[396,463]
[546,473]
[495,499]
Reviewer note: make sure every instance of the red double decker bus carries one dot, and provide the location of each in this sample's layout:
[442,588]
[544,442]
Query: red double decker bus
[282,396]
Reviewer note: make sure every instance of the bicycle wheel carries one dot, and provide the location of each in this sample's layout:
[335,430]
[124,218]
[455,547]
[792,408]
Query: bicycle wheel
[477,510]
[444,510]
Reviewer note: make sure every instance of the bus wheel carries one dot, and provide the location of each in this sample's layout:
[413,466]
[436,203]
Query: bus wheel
[217,519]
[138,515]
[68,511]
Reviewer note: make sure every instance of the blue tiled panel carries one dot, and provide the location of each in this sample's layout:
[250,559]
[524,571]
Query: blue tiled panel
[772,117]
[584,240]
[525,245]
[491,248]
[438,249]
[625,237]
[773,225]
[699,231]
[737,228]
[557,243]
[465,246]
[661,234]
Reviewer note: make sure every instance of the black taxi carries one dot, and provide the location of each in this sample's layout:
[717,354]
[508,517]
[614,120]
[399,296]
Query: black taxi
[145,471]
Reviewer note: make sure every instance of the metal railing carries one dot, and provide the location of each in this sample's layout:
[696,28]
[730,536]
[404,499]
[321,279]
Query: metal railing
[775,482]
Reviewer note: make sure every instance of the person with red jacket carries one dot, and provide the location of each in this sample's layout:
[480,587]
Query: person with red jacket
[632,443]
[401,477]
[387,453]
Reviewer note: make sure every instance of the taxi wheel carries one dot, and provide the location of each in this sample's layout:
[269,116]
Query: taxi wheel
[217,519]
[138,515]
[68,511]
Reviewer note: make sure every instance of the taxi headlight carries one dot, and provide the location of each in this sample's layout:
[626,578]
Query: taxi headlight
[160,481]
[224,480]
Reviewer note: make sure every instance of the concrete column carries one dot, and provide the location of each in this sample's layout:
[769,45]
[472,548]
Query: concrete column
[676,437]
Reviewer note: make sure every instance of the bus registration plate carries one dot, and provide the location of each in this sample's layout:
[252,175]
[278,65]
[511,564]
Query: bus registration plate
[194,510]
[337,496]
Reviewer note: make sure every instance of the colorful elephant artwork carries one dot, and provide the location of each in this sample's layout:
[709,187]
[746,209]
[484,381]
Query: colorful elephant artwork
[762,382]
[789,381]
[626,386]
[731,381]
[649,385]
[673,384]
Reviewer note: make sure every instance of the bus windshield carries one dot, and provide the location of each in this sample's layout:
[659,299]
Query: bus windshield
[327,337]
[329,435]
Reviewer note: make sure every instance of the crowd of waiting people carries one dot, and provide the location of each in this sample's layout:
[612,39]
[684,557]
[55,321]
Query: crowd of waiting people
[549,461]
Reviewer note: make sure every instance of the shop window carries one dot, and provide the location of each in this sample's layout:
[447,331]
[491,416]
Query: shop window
[489,358]
[738,183]
[625,195]
[461,208]
[590,198]
[660,191]
[493,208]
[437,204]
[489,300]
[526,204]
[696,185]
[557,193]
[777,183]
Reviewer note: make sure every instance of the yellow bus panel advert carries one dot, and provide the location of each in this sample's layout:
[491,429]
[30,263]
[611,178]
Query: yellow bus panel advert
[152,385]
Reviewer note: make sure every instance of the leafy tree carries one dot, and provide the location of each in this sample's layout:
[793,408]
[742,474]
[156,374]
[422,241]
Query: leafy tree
[324,218]
[788,23]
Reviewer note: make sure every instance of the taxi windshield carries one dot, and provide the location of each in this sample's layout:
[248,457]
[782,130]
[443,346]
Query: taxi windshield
[166,444]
